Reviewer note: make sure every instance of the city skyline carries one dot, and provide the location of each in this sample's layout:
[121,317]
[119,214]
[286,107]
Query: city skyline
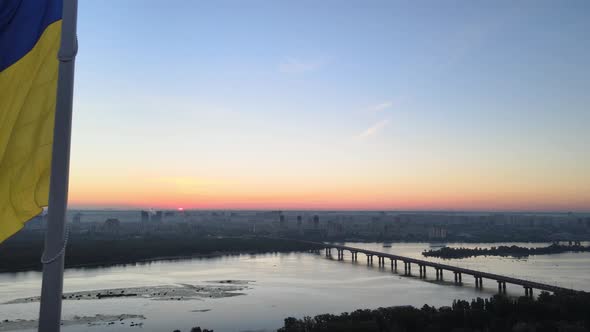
[349,106]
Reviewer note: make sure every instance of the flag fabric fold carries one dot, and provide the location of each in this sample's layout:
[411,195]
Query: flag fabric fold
[30,32]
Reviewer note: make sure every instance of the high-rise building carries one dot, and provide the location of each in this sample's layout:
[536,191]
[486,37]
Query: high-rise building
[77,218]
[282,221]
[145,216]
[157,217]
[112,226]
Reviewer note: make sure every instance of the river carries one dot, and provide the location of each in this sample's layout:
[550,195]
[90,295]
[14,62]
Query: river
[280,285]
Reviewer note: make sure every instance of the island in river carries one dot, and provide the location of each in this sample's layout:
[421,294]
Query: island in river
[507,251]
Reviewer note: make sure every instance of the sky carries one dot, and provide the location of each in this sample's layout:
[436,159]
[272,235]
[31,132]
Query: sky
[356,105]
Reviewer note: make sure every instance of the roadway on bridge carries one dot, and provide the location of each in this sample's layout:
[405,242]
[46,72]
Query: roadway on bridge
[455,269]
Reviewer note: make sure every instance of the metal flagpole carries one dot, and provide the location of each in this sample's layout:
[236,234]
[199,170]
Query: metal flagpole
[55,236]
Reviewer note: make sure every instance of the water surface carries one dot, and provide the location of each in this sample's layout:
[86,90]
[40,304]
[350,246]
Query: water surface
[290,284]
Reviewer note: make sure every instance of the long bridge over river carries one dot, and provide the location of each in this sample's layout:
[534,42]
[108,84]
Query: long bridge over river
[439,269]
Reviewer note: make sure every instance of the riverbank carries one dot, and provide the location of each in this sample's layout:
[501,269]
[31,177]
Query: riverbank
[18,256]
[505,251]
[122,320]
[550,312]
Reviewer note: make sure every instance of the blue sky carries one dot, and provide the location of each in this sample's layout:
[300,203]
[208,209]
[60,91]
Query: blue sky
[458,104]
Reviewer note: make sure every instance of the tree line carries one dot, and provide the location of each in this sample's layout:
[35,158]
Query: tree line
[548,313]
[512,251]
[19,255]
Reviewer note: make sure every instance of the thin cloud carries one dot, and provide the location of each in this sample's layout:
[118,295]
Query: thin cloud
[381,107]
[293,65]
[374,129]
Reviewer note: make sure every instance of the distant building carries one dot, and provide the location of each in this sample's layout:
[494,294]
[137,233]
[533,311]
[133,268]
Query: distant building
[335,229]
[282,221]
[145,216]
[157,217]
[169,214]
[437,233]
[77,222]
[36,223]
[112,226]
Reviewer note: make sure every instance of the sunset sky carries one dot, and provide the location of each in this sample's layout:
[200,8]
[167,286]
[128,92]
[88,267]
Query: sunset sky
[466,105]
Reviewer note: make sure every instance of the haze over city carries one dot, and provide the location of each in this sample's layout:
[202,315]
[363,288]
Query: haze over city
[376,106]
[294,166]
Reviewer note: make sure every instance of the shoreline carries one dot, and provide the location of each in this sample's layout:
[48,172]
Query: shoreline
[513,251]
[36,267]
[155,259]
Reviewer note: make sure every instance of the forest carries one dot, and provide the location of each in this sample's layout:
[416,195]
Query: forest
[548,313]
[21,255]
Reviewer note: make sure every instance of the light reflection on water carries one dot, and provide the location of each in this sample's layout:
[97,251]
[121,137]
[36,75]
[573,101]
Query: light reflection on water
[294,284]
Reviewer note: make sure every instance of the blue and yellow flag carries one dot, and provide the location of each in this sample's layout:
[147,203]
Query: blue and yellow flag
[30,33]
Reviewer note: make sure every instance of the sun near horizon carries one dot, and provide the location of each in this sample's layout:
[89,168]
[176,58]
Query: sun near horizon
[411,107]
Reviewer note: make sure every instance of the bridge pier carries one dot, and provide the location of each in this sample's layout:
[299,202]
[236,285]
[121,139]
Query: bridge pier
[478,282]
[422,271]
[438,267]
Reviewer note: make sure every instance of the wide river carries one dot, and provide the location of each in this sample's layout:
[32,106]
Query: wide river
[282,285]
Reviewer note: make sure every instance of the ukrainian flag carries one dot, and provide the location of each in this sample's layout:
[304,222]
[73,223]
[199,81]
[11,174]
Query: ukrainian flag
[30,33]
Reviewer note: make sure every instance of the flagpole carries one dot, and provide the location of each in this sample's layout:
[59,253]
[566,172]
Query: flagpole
[55,236]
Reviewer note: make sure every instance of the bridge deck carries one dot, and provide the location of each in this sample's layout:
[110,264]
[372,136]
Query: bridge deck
[487,275]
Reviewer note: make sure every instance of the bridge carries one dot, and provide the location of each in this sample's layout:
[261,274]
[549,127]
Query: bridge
[439,269]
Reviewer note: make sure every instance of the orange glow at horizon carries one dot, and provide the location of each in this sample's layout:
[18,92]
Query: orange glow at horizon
[480,119]
[191,193]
